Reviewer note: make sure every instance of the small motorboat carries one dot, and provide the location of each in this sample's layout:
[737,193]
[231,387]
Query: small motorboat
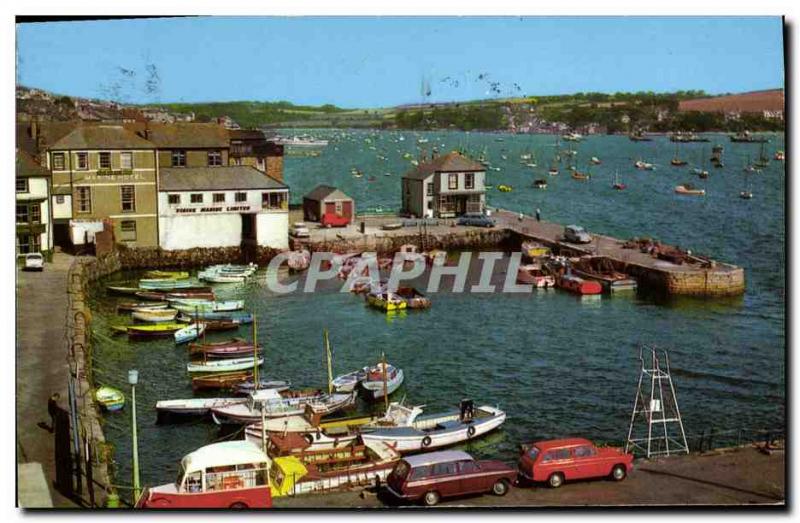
[504,188]
[223,365]
[270,403]
[688,189]
[780,156]
[381,377]
[386,301]
[532,274]
[109,398]
[189,333]
[577,175]
[578,285]
[414,298]
[348,382]
[540,183]
[595,160]
[746,195]
[470,423]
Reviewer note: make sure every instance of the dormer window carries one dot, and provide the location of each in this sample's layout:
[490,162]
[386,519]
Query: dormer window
[214,158]
[179,158]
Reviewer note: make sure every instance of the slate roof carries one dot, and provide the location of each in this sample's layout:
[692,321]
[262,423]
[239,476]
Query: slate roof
[324,192]
[450,162]
[101,137]
[27,166]
[227,178]
[188,135]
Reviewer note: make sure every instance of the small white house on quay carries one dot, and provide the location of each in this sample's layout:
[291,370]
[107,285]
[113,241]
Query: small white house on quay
[221,207]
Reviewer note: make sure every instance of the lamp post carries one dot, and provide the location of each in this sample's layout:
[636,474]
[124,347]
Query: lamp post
[133,379]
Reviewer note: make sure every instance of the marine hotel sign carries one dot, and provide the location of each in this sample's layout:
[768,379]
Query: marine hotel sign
[211,209]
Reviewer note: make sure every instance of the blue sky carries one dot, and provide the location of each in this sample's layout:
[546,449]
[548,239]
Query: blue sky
[373,62]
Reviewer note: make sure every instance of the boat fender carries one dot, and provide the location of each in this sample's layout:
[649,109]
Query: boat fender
[426,441]
[471,431]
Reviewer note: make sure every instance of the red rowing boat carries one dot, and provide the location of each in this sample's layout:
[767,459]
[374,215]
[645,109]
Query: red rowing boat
[578,285]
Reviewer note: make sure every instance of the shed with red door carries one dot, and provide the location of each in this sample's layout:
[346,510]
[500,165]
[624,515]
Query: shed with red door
[325,199]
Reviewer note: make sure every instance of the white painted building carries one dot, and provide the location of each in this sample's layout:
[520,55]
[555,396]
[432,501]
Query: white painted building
[34,231]
[221,207]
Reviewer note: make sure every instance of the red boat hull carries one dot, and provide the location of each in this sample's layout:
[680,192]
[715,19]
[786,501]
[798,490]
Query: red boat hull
[580,286]
[258,497]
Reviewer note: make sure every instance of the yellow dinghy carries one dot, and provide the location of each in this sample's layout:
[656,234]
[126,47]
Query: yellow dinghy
[154,330]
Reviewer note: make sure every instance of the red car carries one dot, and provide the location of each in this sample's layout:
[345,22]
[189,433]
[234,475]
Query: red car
[334,220]
[558,460]
[435,475]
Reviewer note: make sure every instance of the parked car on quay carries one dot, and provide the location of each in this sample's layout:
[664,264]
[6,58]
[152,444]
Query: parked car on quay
[300,230]
[559,460]
[576,234]
[34,261]
[475,220]
[432,476]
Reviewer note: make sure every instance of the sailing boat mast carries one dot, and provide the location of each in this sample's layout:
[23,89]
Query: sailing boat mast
[328,356]
[385,384]
[256,378]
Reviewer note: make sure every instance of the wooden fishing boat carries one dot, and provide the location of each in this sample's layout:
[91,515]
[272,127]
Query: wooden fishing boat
[167,275]
[331,469]
[189,333]
[201,293]
[381,380]
[191,305]
[223,365]
[161,315]
[191,407]
[601,269]
[211,325]
[414,298]
[229,351]
[130,306]
[247,387]
[688,189]
[109,398]
[533,274]
[230,474]
[385,301]
[289,443]
[578,285]
[471,423]
[220,380]
[166,284]
[222,278]
[237,316]
[155,330]
[272,404]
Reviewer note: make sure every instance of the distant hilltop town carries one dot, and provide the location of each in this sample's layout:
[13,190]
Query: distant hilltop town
[586,113]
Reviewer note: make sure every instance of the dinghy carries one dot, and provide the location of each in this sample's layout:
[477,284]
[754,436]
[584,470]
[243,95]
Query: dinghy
[189,333]
[109,398]
[130,306]
[154,315]
[223,365]
[191,305]
[382,377]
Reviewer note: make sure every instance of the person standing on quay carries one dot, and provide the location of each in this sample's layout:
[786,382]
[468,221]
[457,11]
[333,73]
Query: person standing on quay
[538,215]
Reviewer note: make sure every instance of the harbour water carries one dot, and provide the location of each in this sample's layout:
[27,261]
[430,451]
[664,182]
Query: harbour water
[558,365]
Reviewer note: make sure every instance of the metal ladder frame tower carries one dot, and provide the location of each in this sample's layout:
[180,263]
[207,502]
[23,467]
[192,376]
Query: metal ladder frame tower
[659,412]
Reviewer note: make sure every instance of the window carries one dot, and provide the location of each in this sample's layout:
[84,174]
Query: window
[84,199]
[126,161]
[219,197]
[430,189]
[338,207]
[60,198]
[584,452]
[444,469]
[467,467]
[174,199]
[214,158]
[128,198]
[82,161]
[127,229]
[469,180]
[36,213]
[272,200]
[22,185]
[29,243]
[22,213]
[556,455]
[58,161]
[240,197]
[179,158]
[452,182]
[420,472]
[105,160]
[196,198]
